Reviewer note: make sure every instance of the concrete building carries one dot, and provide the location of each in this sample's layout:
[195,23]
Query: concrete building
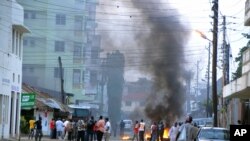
[237,94]
[11,52]
[60,29]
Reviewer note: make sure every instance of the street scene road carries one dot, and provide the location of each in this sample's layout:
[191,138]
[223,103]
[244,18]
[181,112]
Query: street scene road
[151,70]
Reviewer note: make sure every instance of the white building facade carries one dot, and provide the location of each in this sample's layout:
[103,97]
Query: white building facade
[11,33]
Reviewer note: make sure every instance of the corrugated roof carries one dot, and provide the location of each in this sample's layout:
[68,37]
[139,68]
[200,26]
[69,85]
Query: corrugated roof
[43,100]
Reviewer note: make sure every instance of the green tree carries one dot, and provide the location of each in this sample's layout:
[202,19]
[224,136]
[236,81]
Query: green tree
[238,72]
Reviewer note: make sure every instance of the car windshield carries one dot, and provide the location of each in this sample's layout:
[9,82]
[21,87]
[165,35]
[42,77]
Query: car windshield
[214,134]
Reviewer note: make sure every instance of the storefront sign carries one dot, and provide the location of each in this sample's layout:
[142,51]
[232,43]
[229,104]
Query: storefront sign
[28,100]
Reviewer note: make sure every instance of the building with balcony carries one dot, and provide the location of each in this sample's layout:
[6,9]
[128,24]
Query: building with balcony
[11,52]
[61,34]
[236,94]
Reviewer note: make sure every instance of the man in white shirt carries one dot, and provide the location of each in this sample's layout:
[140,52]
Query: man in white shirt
[141,130]
[59,129]
[107,132]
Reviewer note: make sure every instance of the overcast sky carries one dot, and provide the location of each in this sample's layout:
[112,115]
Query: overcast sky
[118,18]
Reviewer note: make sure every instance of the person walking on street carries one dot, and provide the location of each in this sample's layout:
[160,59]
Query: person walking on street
[100,124]
[136,131]
[122,126]
[32,128]
[141,130]
[173,132]
[160,131]
[81,128]
[107,130]
[90,129]
[59,129]
[52,126]
[39,133]
[153,131]
[69,130]
[191,131]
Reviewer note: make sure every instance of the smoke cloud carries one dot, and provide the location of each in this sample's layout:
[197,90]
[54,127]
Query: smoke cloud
[164,55]
[152,39]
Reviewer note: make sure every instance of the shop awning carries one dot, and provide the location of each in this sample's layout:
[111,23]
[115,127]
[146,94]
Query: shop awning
[53,104]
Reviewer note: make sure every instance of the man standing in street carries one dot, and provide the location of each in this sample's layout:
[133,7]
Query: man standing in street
[141,130]
[107,129]
[32,128]
[39,132]
[136,131]
[100,127]
[191,131]
[90,129]
[59,129]
[52,126]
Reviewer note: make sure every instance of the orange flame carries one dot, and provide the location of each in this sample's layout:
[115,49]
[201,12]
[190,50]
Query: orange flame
[166,133]
[125,137]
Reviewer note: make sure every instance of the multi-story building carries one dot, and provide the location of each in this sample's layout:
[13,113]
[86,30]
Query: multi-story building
[60,35]
[11,48]
[236,94]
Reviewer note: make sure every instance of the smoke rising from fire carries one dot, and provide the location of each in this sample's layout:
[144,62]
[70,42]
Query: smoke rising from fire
[152,39]
[164,54]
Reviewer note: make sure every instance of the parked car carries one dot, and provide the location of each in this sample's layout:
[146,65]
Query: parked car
[203,122]
[213,134]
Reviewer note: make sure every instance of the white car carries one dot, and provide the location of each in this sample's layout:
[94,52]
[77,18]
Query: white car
[213,134]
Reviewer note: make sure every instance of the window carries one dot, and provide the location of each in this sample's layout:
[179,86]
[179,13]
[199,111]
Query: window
[32,42]
[77,51]
[29,14]
[128,103]
[16,42]
[59,46]
[78,25]
[83,76]
[93,77]
[76,77]
[18,79]
[25,42]
[60,19]
[31,69]
[4,108]
[13,77]
[57,72]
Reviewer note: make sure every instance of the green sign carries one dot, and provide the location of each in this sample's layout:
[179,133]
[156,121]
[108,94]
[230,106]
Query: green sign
[28,100]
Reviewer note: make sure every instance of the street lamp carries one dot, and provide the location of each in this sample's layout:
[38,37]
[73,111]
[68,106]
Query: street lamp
[208,68]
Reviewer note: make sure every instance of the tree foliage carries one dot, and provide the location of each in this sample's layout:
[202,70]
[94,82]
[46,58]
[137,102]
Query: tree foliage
[238,72]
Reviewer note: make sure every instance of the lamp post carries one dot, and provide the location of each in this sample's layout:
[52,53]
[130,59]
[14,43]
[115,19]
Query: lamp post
[208,69]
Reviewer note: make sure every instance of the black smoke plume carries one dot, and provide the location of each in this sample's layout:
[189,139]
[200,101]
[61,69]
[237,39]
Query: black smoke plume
[164,55]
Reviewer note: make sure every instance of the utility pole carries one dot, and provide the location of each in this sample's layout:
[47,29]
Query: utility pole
[225,49]
[197,78]
[215,9]
[208,78]
[62,80]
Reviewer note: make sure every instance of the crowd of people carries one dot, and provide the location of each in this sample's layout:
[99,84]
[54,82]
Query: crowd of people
[157,130]
[69,130]
[91,130]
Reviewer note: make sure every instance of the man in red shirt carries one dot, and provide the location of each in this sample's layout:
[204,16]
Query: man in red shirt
[52,125]
[136,131]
